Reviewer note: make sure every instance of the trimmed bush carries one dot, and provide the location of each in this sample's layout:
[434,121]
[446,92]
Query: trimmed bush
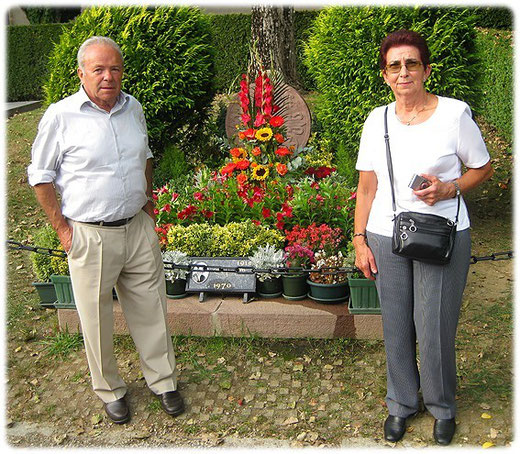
[40,15]
[492,17]
[168,63]
[236,239]
[231,35]
[342,56]
[495,49]
[28,49]
[45,265]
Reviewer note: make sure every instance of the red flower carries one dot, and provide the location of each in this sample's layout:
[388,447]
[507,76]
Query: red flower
[229,168]
[266,212]
[254,221]
[243,164]
[256,151]
[246,118]
[198,196]
[276,121]
[166,208]
[259,120]
[282,151]
[175,196]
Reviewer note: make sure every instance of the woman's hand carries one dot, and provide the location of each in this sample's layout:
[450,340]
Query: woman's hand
[365,260]
[436,191]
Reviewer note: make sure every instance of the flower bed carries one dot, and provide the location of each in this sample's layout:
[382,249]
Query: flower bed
[266,194]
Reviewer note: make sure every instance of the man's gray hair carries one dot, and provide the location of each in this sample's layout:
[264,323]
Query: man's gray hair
[103,40]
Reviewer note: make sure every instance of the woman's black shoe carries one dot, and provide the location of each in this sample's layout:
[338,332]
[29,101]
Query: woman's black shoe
[443,430]
[395,427]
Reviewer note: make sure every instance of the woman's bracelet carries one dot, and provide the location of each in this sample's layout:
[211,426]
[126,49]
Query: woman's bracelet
[359,234]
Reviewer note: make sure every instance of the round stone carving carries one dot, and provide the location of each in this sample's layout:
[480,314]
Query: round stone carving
[293,109]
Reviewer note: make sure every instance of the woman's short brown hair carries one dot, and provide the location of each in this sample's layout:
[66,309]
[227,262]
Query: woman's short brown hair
[404,38]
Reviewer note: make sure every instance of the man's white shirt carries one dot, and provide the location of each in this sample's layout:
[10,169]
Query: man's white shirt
[96,159]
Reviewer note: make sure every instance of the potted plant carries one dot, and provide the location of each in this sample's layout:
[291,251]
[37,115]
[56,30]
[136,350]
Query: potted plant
[363,293]
[327,285]
[294,282]
[176,277]
[44,266]
[268,285]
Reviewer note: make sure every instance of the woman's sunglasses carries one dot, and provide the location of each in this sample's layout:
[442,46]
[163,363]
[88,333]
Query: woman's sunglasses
[395,67]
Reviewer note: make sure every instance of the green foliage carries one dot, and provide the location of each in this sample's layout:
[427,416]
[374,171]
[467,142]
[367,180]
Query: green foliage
[342,56]
[491,17]
[231,35]
[236,239]
[40,15]
[168,63]
[28,49]
[495,49]
[303,21]
[172,165]
[45,265]
[331,202]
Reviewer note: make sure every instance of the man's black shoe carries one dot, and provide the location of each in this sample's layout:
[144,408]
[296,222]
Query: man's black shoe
[172,402]
[443,430]
[395,427]
[118,411]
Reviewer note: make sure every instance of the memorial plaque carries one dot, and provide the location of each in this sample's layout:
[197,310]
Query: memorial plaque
[294,111]
[206,278]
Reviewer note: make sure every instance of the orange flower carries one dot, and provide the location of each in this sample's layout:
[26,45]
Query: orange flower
[242,178]
[242,165]
[281,169]
[279,137]
[256,151]
[238,153]
[282,151]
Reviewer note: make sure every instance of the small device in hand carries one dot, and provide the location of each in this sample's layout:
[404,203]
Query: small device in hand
[417,182]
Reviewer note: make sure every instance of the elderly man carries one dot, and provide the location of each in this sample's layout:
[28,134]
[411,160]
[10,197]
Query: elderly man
[92,147]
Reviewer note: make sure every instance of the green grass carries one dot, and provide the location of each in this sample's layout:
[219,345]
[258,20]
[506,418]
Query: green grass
[62,344]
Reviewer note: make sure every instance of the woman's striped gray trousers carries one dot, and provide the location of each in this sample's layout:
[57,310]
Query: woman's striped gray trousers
[420,303]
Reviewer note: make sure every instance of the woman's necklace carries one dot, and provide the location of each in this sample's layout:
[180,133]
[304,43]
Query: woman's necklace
[408,122]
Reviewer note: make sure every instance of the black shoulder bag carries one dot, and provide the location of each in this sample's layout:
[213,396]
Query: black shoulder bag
[425,237]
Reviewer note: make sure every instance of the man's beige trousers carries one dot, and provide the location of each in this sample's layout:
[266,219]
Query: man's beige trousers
[129,258]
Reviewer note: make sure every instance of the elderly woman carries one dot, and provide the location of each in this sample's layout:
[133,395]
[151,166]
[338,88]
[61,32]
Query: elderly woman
[430,136]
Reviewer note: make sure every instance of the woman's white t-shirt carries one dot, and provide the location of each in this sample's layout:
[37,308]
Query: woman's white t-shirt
[434,147]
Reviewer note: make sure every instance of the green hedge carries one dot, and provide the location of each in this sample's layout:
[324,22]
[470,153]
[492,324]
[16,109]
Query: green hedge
[494,17]
[231,35]
[495,49]
[342,56]
[168,63]
[28,49]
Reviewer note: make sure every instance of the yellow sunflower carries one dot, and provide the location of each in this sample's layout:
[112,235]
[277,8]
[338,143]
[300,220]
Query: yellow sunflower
[264,134]
[260,172]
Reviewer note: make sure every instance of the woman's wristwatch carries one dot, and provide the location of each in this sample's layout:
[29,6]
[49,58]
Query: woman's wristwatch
[457,188]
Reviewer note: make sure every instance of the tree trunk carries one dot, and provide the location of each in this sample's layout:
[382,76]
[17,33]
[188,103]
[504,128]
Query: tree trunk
[272,33]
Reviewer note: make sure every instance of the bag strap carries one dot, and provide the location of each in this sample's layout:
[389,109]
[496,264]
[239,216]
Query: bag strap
[391,169]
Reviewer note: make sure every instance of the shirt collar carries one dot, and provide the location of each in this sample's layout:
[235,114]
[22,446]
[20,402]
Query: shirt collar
[82,99]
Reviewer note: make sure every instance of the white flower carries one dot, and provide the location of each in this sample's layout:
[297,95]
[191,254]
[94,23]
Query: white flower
[178,258]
